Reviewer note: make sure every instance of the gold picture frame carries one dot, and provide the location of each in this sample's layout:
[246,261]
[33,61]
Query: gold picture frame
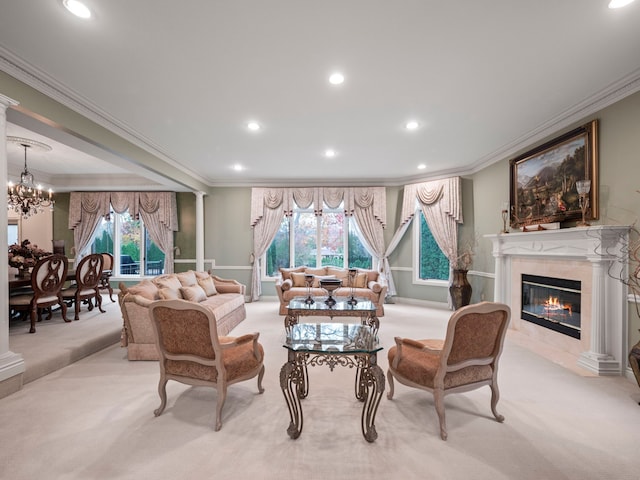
[543,180]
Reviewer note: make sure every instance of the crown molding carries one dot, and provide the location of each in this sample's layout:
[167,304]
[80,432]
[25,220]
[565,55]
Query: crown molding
[43,83]
[609,95]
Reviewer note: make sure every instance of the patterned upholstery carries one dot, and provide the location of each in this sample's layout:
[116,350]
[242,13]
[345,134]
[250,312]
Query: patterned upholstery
[191,352]
[467,358]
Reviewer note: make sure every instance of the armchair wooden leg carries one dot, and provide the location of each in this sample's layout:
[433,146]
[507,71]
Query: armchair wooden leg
[162,391]
[222,396]
[390,379]
[438,397]
[260,375]
[495,396]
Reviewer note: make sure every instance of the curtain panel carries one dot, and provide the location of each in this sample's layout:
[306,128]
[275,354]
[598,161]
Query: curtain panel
[441,204]
[368,205]
[157,209]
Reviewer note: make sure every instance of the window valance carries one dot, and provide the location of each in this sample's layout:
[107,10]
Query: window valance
[444,192]
[316,197]
[160,204]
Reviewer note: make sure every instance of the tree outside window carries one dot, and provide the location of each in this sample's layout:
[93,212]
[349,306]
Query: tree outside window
[327,240]
[432,263]
[128,241]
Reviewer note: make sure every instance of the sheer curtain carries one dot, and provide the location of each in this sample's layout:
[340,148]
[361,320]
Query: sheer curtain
[157,209]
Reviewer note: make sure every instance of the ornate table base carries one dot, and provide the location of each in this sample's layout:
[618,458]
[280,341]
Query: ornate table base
[369,385]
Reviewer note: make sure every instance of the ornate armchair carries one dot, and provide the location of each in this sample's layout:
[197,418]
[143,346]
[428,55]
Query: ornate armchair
[86,286]
[465,360]
[47,278]
[191,352]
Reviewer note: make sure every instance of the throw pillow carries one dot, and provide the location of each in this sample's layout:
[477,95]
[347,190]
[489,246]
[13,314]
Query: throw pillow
[193,293]
[146,289]
[208,286]
[286,272]
[298,279]
[167,281]
[187,279]
[169,294]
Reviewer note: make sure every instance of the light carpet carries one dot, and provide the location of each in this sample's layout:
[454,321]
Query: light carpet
[94,420]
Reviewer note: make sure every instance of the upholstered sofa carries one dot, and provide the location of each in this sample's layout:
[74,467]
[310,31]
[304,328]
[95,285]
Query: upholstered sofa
[225,298]
[368,284]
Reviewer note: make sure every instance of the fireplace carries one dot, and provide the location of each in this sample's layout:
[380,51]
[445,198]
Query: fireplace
[553,303]
[587,255]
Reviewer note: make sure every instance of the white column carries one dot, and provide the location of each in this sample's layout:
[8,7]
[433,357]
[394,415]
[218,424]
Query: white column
[11,364]
[199,231]
[597,359]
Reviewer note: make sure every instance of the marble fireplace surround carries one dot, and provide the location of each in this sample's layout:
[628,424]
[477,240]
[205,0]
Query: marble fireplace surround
[586,254]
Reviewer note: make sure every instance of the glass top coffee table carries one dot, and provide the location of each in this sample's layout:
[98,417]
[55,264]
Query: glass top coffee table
[332,344]
[363,309]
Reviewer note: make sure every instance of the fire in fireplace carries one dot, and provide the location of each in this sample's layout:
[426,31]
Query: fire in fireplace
[552,303]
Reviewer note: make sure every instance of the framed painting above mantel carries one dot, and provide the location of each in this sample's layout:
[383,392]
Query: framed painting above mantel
[543,180]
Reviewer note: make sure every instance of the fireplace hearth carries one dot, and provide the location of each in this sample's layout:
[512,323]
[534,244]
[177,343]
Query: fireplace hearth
[553,303]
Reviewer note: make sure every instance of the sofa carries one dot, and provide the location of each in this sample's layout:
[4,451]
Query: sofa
[225,298]
[368,284]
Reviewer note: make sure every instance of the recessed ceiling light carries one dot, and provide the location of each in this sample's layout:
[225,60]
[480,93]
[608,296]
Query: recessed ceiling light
[238,168]
[336,78]
[330,153]
[253,126]
[619,3]
[422,166]
[411,125]
[79,9]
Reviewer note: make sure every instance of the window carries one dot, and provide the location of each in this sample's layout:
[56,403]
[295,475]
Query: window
[431,263]
[128,241]
[12,232]
[305,239]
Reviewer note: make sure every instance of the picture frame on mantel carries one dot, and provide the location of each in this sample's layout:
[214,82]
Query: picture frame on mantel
[543,180]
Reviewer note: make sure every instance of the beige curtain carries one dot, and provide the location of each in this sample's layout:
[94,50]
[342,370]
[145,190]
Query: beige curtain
[265,226]
[441,205]
[157,209]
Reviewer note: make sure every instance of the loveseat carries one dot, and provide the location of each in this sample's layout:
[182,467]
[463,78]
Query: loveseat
[368,284]
[225,298]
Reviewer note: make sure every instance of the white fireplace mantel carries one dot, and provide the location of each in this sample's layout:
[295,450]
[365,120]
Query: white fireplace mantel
[603,247]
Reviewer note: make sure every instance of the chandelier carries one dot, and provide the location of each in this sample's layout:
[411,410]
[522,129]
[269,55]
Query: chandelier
[26,197]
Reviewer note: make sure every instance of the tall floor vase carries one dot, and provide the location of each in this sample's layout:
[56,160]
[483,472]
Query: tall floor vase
[460,289]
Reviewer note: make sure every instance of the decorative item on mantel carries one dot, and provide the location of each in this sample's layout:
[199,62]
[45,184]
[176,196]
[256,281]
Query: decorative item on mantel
[24,256]
[505,216]
[583,187]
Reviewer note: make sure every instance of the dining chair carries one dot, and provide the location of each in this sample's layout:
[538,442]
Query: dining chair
[47,279]
[86,285]
[465,360]
[107,272]
[191,352]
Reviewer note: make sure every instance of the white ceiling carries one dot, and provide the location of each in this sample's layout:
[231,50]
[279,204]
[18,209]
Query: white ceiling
[181,79]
